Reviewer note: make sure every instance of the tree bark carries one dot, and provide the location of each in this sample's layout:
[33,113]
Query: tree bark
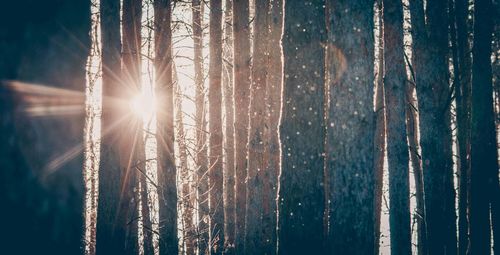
[462,81]
[273,91]
[110,232]
[241,47]
[431,69]
[257,158]
[380,127]
[200,122]
[352,126]
[302,130]
[397,147]
[167,180]
[229,173]
[215,172]
[484,164]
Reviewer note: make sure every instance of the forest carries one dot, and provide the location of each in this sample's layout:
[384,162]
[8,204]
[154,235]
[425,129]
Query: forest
[238,127]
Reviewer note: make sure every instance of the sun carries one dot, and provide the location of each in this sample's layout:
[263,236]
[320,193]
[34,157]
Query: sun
[143,105]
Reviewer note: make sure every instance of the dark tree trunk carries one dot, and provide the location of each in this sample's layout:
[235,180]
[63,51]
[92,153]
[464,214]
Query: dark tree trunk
[397,147]
[302,130]
[273,90]
[229,173]
[352,125]
[110,232]
[416,163]
[462,81]
[167,186]
[379,151]
[43,205]
[257,141]
[132,155]
[433,93]
[241,47]
[484,164]
[215,172]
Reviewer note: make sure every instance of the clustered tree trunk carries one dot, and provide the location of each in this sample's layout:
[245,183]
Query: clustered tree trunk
[296,166]
[167,174]
[215,171]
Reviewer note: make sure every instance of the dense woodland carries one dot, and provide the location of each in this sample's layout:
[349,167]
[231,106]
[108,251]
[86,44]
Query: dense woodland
[250,127]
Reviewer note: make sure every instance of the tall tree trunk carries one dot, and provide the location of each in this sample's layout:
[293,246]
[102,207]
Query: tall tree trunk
[241,47]
[462,90]
[412,131]
[187,207]
[273,91]
[397,147]
[484,164]
[380,125]
[229,173]
[131,70]
[167,174]
[111,231]
[433,93]
[257,140]
[215,172]
[352,126]
[302,130]
[201,138]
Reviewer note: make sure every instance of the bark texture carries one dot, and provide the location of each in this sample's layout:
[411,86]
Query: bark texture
[351,127]
[167,173]
[302,130]
[397,147]
[241,48]
[430,50]
[215,171]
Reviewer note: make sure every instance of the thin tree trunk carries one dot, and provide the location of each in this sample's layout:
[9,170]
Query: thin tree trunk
[133,156]
[185,176]
[254,239]
[302,130]
[201,138]
[430,50]
[229,173]
[215,172]
[352,126]
[167,174]
[484,164]
[412,131]
[379,144]
[273,91]
[241,48]
[462,91]
[111,230]
[397,147]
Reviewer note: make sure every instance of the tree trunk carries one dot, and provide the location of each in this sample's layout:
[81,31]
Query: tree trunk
[229,173]
[351,133]
[110,232]
[462,90]
[379,144]
[131,155]
[302,130]
[167,186]
[273,91]
[433,93]
[187,207]
[200,123]
[397,147]
[484,164]
[257,141]
[241,47]
[215,172]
